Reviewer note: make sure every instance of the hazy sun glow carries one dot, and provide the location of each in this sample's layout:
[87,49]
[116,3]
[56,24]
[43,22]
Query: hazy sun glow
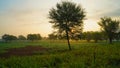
[91,25]
[21,17]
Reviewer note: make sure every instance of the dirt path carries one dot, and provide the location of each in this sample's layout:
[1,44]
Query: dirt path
[24,51]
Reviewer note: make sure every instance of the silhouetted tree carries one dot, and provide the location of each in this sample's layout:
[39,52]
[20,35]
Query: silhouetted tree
[52,36]
[66,16]
[87,36]
[33,37]
[96,36]
[21,37]
[109,26]
[8,37]
[38,36]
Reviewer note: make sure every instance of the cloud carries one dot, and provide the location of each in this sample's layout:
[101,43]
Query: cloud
[110,12]
[27,16]
[25,21]
[113,13]
[99,8]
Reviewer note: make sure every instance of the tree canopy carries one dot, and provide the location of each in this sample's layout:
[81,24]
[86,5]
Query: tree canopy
[8,37]
[21,37]
[33,37]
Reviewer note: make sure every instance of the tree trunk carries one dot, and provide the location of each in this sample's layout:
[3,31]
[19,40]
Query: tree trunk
[110,40]
[68,40]
[68,37]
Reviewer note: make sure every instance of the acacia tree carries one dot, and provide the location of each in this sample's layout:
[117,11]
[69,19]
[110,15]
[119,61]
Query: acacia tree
[109,26]
[66,16]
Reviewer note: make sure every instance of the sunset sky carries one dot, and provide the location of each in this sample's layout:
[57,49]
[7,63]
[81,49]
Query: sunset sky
[21,17]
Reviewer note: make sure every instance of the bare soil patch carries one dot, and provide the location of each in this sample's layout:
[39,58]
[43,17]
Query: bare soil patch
[24,51]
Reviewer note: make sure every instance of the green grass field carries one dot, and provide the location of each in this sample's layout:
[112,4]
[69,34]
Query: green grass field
[83,55]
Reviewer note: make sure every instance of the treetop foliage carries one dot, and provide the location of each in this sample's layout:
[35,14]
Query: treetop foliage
[66,13]
[109,25]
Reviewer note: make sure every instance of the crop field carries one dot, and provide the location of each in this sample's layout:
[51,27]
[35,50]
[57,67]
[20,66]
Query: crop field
[55,54]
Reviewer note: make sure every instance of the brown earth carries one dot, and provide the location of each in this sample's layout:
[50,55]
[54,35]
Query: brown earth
[24,51]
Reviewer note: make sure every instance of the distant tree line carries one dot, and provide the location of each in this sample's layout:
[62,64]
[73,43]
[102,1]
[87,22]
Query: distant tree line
[88,36]
[93,35]
[31,37]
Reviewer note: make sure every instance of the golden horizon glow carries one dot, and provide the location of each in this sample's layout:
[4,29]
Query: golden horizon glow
[91,25]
